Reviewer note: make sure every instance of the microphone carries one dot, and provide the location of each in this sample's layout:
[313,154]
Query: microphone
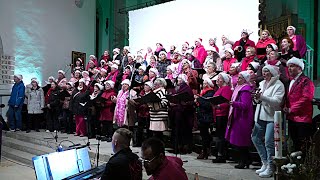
[69,65]
[2,105]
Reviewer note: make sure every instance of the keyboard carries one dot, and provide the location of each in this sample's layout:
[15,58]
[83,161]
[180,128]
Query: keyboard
[89,174]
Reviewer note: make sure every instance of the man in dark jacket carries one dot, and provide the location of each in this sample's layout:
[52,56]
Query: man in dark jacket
[16,102]
[124,164]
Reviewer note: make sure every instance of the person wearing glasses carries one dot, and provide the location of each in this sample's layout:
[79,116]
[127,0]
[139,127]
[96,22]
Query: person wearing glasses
[124,164]
[158,165]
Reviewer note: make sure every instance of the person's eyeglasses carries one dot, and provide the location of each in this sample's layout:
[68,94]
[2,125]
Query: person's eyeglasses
[145,161]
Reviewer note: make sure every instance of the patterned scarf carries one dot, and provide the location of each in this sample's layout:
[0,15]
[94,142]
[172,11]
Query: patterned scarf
[121,107]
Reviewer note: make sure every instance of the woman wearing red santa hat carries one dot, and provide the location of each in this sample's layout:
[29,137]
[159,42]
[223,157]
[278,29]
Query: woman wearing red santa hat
[94,60]
[78,103]
[229,59]
[105,56]
[184,48]
[199,52]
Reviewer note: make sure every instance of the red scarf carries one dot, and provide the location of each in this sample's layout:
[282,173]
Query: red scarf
[205,90]
[272,62]
[46,98]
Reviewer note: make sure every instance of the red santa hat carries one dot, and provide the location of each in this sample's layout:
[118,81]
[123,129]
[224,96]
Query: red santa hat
[99,86]
[186,43]
[199,40]
[111,83]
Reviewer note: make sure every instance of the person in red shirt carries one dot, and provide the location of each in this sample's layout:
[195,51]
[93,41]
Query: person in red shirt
[265,39]
[199,51]
[158,165]
[240,47]
[250,56]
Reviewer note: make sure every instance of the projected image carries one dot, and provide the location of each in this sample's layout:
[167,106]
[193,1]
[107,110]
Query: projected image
[176,22]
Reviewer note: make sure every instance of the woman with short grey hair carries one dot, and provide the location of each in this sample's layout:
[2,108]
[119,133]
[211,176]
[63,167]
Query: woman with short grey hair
[159,110]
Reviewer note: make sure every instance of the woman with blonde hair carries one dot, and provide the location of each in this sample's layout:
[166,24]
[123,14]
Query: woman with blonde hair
[265,39]
[250,57]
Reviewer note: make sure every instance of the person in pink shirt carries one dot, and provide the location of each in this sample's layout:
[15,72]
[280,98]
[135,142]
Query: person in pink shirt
[158,165]
[221,115]
[171,52]
[229,59]
[234,72]
[199,52]
[298,41]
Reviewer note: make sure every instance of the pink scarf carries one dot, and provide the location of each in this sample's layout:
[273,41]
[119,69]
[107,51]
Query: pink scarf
[121,108]
[234,98]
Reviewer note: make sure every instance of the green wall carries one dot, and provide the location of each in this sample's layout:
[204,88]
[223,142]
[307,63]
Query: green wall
[117,34]
[104,12]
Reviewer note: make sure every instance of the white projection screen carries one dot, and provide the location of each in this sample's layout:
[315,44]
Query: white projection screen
[176,22]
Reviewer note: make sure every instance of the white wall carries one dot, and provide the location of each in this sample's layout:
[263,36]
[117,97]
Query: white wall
[42,33]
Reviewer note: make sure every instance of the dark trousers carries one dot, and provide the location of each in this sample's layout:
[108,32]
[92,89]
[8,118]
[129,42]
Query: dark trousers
[158,134]
[143,123]
[91,125]
[24,116]
[205,135]
[243,154]
[52,120]
[183,128]
[34,121]
[221,125]
[300,134]
[67,121]
[106,128]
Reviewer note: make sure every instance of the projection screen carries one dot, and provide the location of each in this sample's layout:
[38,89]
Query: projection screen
[176,22]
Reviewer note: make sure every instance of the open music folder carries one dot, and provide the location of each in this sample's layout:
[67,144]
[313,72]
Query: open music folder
[215,100]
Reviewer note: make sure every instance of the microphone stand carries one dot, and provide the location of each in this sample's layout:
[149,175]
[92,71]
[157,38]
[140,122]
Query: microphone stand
[98,151]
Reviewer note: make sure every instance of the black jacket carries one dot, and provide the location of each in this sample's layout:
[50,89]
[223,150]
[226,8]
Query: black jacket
[77,98]
[54,100]
[124,165]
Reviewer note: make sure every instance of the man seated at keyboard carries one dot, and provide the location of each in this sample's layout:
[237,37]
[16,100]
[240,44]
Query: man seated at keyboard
[157,164]
[124,164]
